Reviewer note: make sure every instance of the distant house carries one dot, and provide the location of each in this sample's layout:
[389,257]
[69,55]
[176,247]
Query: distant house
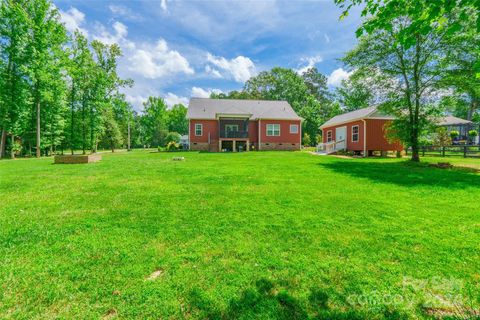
[460,125]
[242,125]
[361,131]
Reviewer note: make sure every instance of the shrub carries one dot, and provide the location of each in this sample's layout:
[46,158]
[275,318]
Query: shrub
[472,133]
[172,137]
[172,146]
[306,139]
[442,138]
[454,134]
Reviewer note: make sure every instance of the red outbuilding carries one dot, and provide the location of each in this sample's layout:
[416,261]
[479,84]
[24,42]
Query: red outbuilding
[362,131]
[242,125]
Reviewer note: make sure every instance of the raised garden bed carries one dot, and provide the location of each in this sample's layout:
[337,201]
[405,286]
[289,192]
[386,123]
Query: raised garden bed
[77,158]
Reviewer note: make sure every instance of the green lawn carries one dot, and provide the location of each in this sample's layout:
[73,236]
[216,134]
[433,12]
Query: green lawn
[263,235]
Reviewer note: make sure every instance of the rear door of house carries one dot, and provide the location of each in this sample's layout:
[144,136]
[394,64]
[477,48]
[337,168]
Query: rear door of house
[340,138]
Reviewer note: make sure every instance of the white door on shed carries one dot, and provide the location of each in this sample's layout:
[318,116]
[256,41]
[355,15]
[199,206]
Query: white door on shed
[340,138]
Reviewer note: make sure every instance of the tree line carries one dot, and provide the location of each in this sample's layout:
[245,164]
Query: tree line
[60,92]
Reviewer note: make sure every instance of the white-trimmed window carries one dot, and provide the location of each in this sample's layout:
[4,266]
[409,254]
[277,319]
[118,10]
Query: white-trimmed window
[355,136]
[329,136]
[294,128]
[198,129]
[273,130]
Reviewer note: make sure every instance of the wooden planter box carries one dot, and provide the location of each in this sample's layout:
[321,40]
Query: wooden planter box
[77,158]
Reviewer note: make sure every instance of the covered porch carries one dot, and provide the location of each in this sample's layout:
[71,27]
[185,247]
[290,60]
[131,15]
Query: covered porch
[233,132]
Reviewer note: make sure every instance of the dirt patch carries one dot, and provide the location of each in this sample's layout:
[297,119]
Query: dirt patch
[442,165]
[154,275]
[457,312]
[112,313]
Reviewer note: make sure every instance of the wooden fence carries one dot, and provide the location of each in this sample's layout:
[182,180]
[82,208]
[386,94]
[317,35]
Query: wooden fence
[466,151]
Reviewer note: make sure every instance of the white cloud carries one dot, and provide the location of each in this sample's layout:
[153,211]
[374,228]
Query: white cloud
[163,5]
[136,100]
[327,38]
[240,68]
[172,99]
[310,63]
[125,12]
[213,72]
[336,77]
[73,19]
[202,93]
[158,61]
[119,35]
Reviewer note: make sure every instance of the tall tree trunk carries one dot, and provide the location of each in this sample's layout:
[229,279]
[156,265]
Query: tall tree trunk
[128,135]
[12,149]
[84,129]
[38,124]
[92,140]
[3,140]
[72,118]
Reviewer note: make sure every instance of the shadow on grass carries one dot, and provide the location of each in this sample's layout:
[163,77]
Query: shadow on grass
[265,301]
[405,173]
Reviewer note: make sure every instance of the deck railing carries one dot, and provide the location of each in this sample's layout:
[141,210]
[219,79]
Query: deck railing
[233,134]
[330,147]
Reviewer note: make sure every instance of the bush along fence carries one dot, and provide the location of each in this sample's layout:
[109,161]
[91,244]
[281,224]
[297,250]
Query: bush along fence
[467,151]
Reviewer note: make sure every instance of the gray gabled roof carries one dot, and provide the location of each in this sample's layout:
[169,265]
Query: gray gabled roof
[204,108]
[451,121]
[370,112]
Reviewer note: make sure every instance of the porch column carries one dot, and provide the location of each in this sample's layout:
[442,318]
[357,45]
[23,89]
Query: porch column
[219,145]
[248,145]
[234,146]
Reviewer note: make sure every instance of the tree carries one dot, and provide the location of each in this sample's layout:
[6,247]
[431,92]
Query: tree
[45,44]
[317,85]
[425,15]
[461,65]
[14,95]
[355,93]
[177,119]
[412,74]
[154,121]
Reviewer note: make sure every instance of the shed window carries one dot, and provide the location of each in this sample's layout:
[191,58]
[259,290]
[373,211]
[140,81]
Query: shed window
[355,134]
[273,129]
[329,136]
[294,128]
[198,129]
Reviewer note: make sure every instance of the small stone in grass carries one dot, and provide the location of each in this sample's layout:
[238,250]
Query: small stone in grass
[155,275]
[178,158]
[116,292]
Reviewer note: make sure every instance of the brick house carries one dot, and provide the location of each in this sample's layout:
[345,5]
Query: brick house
[242,125]
[361,131]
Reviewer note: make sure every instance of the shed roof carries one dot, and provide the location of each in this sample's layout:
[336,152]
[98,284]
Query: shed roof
[370,112]
[205,108]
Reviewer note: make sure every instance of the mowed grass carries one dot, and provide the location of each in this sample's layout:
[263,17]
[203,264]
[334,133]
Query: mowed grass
[265,235]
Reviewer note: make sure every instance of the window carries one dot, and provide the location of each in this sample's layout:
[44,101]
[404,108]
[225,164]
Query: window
[294,128]
[198,129]
[273,129]
[355,134]
[329,136]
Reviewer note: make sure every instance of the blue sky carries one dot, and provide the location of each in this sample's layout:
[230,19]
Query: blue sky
[178,49]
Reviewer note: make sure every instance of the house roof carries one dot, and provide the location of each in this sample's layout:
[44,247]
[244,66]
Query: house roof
[370,112]
[204,108]
[451,121]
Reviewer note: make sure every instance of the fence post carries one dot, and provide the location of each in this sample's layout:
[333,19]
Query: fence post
[465,151]
[423,151]
[443,151]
